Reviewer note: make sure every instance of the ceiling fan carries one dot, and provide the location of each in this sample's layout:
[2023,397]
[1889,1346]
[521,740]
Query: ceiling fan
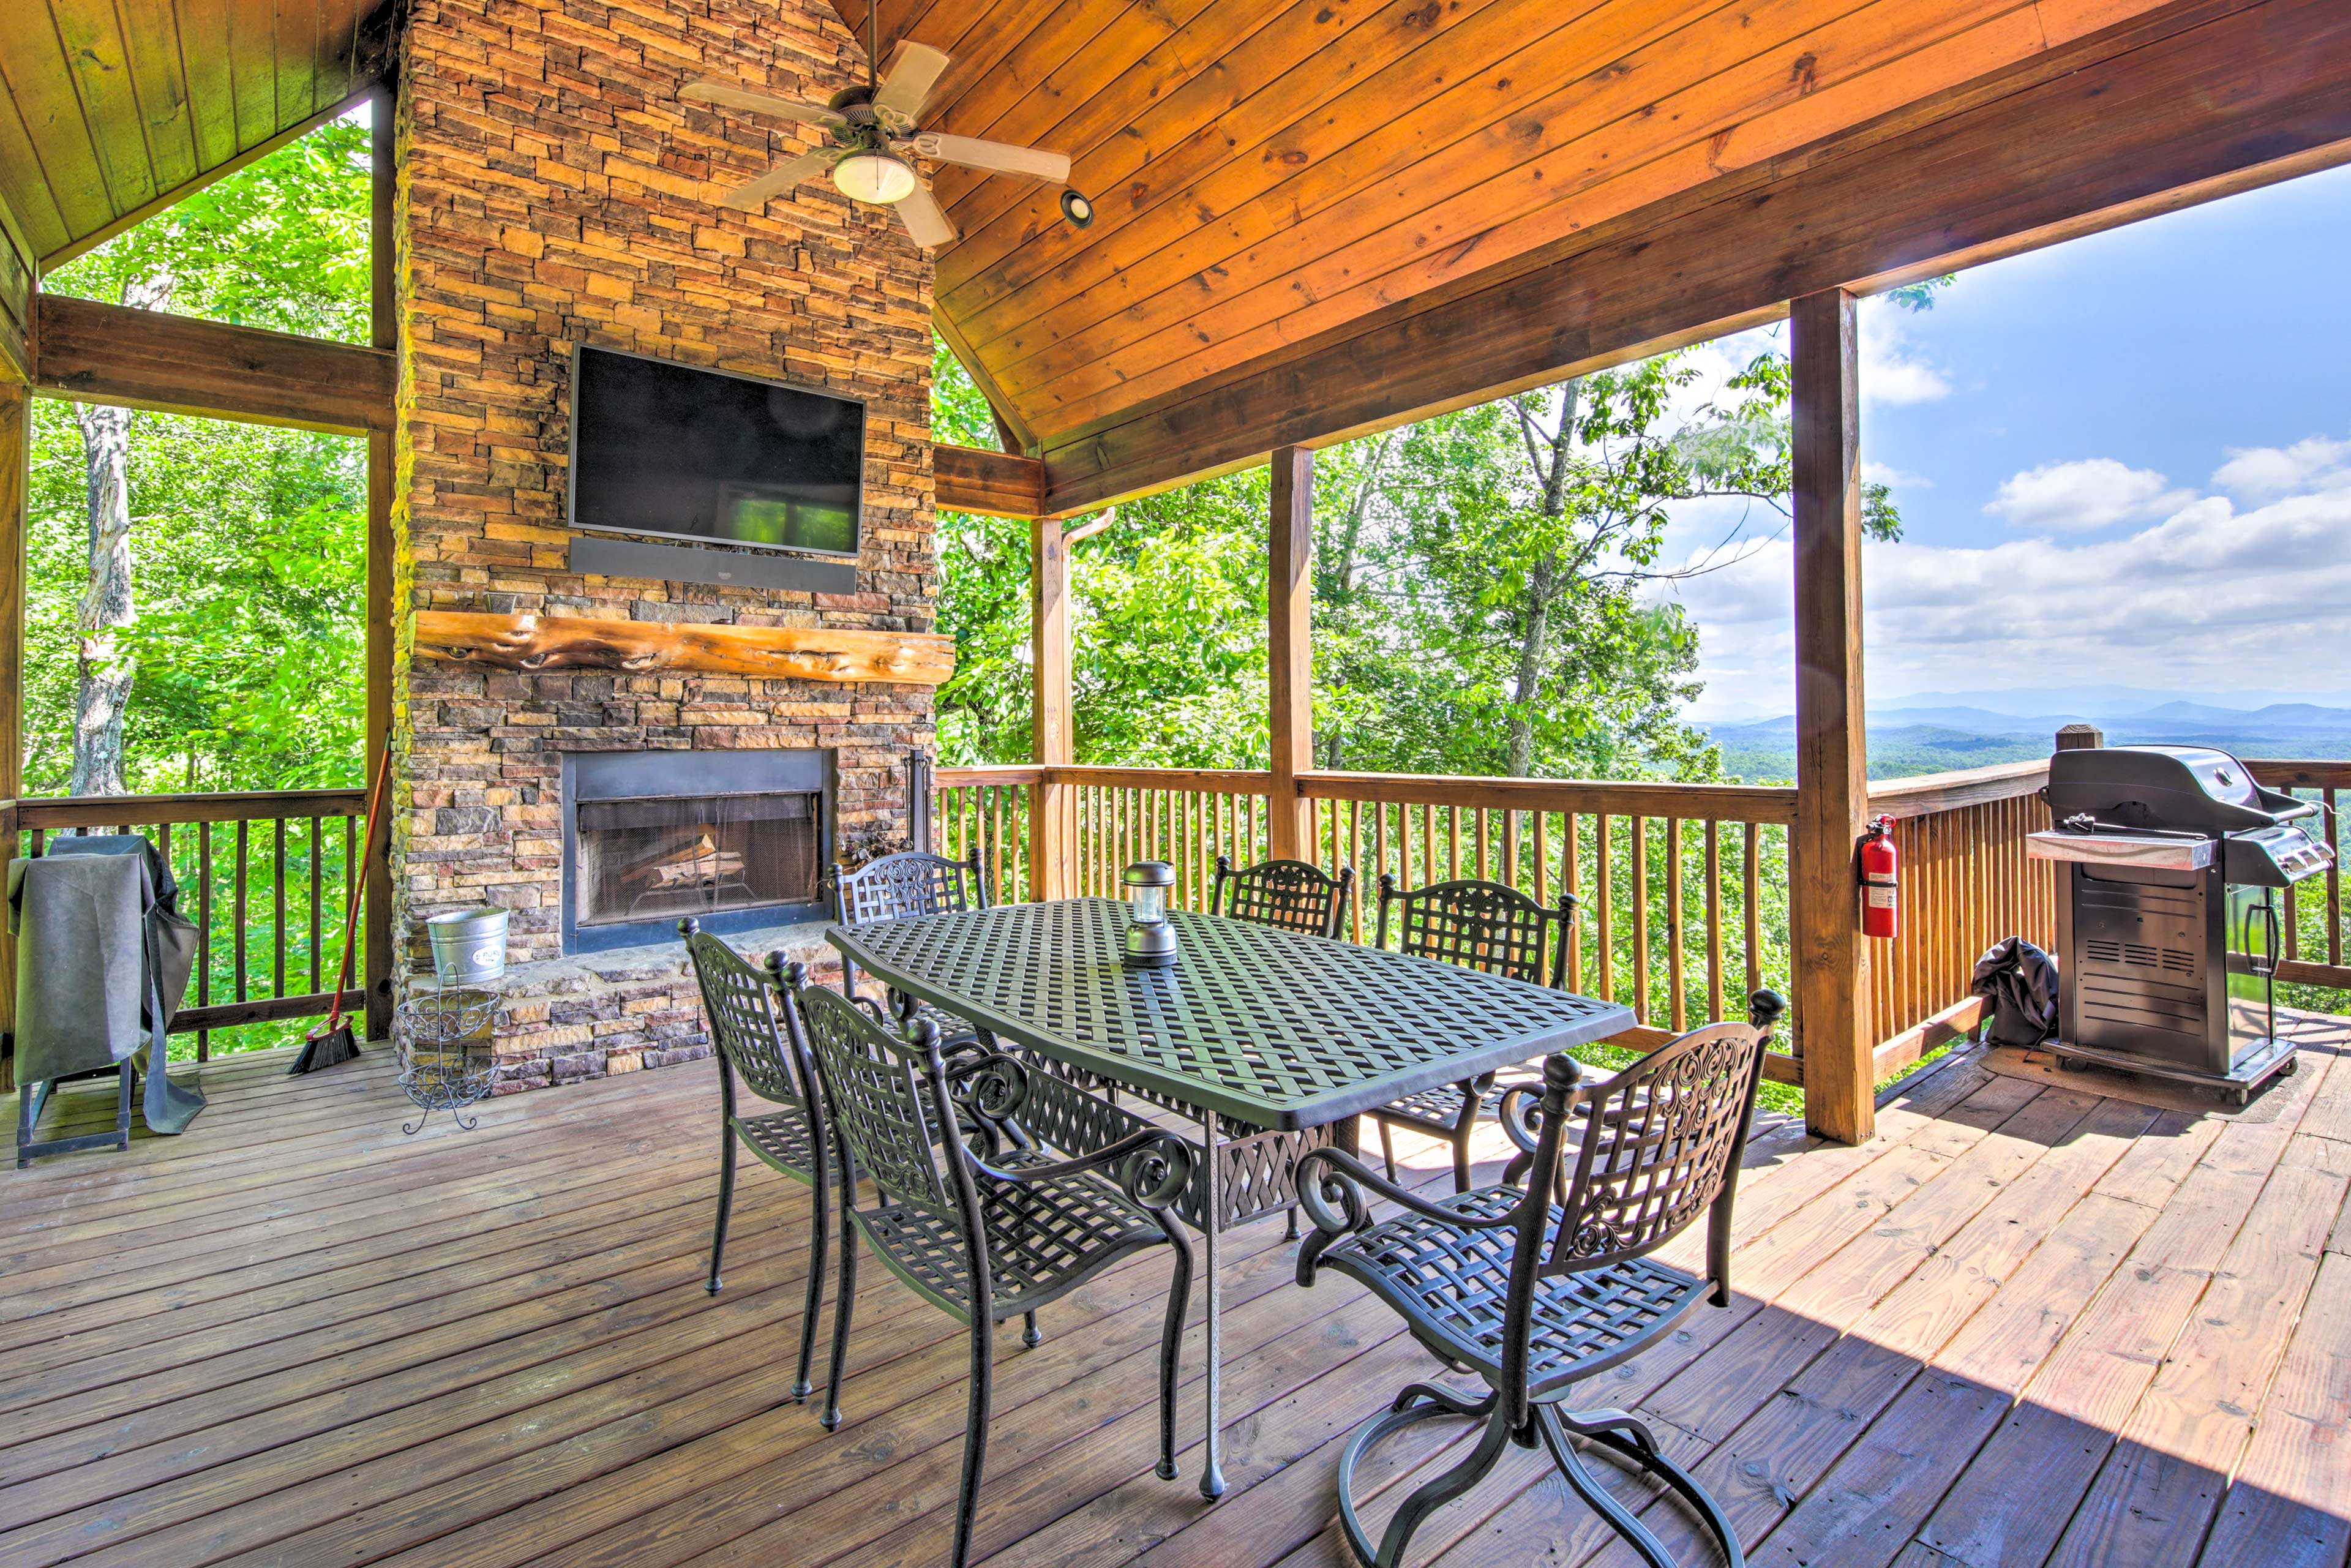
[872,127]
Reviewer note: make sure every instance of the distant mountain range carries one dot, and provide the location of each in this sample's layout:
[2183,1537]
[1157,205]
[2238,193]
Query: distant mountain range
[1938,731]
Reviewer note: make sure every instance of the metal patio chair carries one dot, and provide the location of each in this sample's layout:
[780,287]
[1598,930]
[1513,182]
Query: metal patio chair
[1533,1296]
[1289,894]
[1481,925]
[900,887]
[1063,1185]
[750,1041]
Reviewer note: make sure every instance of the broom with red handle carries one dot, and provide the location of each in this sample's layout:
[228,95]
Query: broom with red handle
[332,1041]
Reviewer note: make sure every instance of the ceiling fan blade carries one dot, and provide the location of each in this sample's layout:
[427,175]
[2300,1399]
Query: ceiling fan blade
[757,103]
[906,81]
[925,220]
[995,157]
[755,196]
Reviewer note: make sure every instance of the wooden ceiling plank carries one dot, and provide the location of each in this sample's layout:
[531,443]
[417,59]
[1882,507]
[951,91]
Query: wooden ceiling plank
[2179,106]
[332,54]
[1285,72]
[41,82]
[997,32]
[1453,243]
[295,33]
[150,33]
[212,91]
[92,37]
[23,184]
[1036,117]
[1479,129]
[253,70]
[1071,26]
[1583,138]
[994,214]
[97,237]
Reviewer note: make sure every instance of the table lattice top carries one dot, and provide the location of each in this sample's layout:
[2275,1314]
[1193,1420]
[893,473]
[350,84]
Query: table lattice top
[1273,1027]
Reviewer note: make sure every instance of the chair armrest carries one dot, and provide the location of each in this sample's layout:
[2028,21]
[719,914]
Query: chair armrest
[1334,1198]
[1157,1166]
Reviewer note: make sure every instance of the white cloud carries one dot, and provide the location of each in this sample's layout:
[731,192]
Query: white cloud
[1892,369]
[1887,473]
[2213,596]
[2094,493]
[2265,473]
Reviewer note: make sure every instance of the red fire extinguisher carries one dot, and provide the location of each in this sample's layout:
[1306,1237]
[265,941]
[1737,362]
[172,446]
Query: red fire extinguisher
[1881,881]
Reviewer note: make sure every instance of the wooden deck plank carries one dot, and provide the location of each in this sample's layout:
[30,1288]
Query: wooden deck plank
[2290,1504]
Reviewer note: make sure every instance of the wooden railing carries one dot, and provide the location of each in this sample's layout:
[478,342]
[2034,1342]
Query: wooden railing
[1966,883]
[2313,910]
[267,877]
[1186,817]
[988,809]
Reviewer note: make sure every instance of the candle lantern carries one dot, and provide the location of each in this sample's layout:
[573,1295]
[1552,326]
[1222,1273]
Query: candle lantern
[1150,940]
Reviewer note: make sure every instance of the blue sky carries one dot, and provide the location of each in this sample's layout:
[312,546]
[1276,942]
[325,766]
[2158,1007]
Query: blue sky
[2123,459]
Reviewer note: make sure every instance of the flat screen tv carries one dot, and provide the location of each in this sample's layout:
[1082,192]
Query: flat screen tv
[680,452]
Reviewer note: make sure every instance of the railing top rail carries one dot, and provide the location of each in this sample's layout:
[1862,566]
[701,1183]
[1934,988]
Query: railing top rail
[1932,792]
[228,806]
[1722,802]
[1012,773]
[1204,781]
[2299,774]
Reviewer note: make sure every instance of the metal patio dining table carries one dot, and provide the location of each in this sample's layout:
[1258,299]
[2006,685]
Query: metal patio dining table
[1270,1041]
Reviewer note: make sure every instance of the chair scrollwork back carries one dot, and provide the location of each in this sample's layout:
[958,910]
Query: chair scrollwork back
[882,1108]
[1289,894]
[1481,925]
[744,1025]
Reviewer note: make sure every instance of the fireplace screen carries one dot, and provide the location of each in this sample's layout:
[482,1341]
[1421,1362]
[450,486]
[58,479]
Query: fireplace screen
[664,857]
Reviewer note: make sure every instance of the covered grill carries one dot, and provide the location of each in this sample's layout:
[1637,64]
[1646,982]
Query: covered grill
[2170,934]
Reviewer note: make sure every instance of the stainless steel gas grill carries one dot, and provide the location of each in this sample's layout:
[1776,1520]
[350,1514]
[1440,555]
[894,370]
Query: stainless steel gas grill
[2168,937]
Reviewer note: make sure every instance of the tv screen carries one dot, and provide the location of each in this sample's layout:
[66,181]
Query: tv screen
[680,453]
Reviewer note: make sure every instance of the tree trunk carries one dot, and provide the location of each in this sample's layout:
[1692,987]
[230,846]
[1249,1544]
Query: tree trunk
[104,673]
[1534,639]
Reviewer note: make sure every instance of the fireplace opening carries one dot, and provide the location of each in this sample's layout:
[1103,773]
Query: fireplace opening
[736,840]
[661,859]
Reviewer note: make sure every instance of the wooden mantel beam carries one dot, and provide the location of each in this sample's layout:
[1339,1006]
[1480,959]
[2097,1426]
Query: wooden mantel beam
[535,643]
[2186,103]
[181,364]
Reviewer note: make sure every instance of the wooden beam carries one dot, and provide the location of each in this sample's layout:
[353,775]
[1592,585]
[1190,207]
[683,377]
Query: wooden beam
[1828,953]
[2196,101]
[16,449]
[541,643]
[1051,743]
[383,469]
[18,286]
[994,483]
[180,365]
[1290,651]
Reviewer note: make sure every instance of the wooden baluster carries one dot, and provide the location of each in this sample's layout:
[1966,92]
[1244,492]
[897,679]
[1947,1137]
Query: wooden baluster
[1713,921]
[317,981]
[1674,960]
[1604,885]
[237,907]
[277,908]
[1479,827]
[203,933]
[2334,880]
[1453,842]
[1752,921]
[351,877]
[1368,891]
[1571,876]
[1640,827]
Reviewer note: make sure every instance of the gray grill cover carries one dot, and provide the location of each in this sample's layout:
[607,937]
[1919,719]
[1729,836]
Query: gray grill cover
[102,961]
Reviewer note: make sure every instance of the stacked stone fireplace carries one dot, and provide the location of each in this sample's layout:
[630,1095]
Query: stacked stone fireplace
[554,191]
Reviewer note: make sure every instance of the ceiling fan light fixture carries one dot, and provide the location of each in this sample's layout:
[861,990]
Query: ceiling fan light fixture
[875,177]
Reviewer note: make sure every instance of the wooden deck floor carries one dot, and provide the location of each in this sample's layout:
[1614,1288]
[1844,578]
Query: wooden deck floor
[2029,1324]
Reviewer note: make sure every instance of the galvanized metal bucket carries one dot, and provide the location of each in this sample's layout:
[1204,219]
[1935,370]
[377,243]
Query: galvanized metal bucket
[469,945]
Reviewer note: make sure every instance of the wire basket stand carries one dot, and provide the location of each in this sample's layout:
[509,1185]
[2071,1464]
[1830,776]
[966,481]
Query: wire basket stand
[447,1057]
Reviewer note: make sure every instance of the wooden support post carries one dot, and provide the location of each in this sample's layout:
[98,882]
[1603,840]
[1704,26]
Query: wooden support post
[15,446]
[382,468]
[1830,955]
[1290,649]
[1050,838]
